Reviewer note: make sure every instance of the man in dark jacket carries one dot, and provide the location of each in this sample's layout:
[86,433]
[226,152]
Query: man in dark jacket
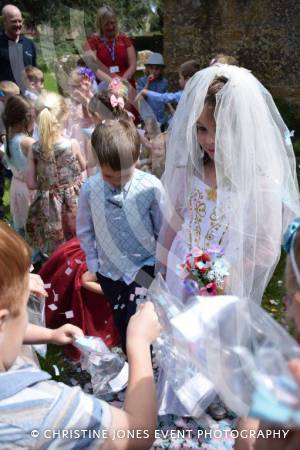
[16,51]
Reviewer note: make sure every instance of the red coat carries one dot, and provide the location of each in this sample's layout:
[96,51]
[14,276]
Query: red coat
[91,311]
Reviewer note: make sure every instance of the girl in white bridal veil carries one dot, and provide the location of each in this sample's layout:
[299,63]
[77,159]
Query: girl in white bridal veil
[230,176]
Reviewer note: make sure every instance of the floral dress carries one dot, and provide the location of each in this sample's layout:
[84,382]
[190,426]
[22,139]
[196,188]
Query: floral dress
[52,215]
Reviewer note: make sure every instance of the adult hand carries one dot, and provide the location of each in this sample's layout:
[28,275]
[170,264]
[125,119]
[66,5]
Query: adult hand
[65,334]
[36,286]
[143,326]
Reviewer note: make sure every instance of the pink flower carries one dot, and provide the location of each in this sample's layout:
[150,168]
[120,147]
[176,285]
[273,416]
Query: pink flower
[210,289]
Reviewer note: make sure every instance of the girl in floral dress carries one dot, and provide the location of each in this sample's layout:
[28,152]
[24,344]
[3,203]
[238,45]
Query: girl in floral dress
[54,170]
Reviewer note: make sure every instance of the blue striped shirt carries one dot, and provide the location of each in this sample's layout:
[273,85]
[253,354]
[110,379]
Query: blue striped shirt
[61,416]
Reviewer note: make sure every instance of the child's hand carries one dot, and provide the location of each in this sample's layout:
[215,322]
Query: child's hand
[294,367]
[88,276]
[36,286]
[143,326]
[151,78]
[65,334]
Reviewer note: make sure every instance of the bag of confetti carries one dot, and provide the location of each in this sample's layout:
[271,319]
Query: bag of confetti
[245,353]
[181,387]
[36,316]
[108,371]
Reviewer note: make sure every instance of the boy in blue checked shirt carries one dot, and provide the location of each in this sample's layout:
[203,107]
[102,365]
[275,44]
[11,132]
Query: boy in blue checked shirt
[35,410]
[119,218]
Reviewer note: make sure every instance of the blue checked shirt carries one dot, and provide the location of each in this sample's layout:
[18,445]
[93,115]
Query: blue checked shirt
[118,228]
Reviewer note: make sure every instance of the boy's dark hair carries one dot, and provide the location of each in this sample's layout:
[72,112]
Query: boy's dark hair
[116,144]
[189,68]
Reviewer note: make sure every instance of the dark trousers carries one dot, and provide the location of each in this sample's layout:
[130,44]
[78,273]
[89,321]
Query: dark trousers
[123,297]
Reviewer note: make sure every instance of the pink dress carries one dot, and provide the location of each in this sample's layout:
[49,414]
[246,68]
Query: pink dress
[20,196]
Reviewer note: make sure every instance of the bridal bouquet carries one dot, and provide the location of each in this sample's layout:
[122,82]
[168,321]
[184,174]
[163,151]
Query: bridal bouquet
[204,272]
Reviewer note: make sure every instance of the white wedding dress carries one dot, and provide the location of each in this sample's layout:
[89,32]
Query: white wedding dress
[201,228]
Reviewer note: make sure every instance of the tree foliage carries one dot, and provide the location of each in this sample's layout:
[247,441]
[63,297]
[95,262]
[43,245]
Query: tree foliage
[136,16]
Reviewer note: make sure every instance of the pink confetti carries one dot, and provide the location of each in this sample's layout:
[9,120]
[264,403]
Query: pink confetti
[52,307]
[69,314]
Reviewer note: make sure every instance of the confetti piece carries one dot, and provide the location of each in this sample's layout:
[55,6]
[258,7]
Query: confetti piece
[116,306]
[274,302]
[141,291]
[56,371]
[68,271]
[131,298]
[105,321]
[69,314]
[73,381]
[78,261]
[119,296]
[52,307]
[107,336]
[47,286]
[122,306]
[55,298]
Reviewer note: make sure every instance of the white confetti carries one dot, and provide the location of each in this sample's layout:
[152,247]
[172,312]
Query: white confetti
[116,306]
[68,271]
[69,314]
[47,286]
[105,321]
[56,371]
[55,298]
[107,336]
[136,254]
[122,306]
[52,307]
[131,298]
[140,291]
[119,296]
[78,261]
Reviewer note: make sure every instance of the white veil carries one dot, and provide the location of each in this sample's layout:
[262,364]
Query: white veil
[255,171]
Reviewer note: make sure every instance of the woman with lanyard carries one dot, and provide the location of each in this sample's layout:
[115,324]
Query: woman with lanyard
[114,52]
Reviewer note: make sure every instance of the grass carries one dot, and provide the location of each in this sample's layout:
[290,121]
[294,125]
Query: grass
[50,82]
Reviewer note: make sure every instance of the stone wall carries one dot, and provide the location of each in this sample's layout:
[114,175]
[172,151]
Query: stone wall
[264,35]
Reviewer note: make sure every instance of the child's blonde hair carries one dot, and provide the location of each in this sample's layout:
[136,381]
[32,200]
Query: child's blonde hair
[52,110]
[9,88]
[15,261]
[32,74]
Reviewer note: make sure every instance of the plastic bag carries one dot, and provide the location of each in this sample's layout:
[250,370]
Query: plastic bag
[181,387]
[238,347]
[36,316]
[109,372]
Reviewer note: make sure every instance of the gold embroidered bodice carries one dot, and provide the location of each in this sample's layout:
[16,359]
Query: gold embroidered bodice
[201,226]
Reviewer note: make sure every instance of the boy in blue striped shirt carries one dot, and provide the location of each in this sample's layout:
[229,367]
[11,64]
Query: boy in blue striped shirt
[36,412]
